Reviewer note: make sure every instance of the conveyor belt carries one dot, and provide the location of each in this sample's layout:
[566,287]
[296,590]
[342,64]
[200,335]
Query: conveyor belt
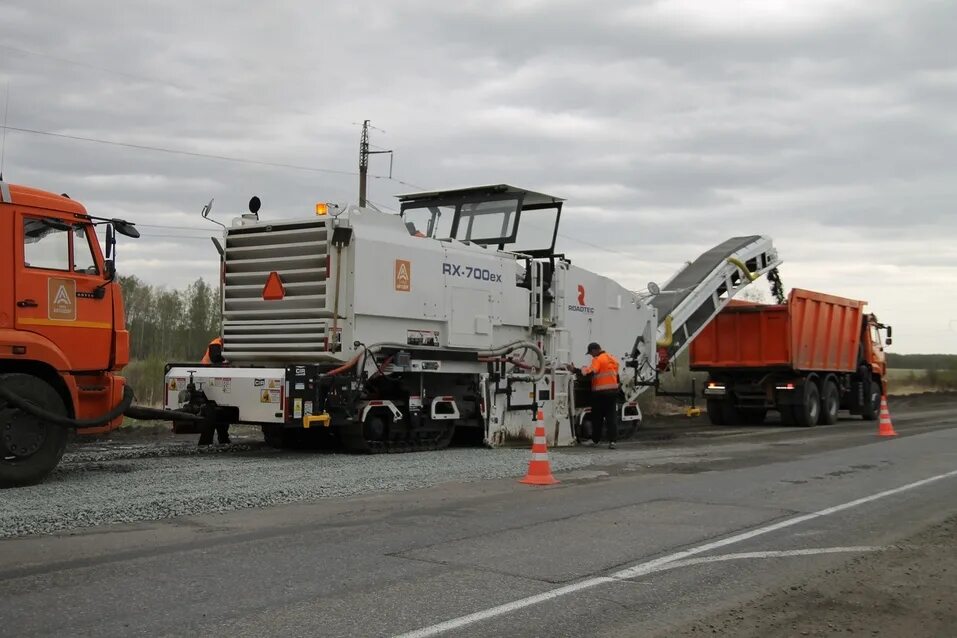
[697,293]
[687,281]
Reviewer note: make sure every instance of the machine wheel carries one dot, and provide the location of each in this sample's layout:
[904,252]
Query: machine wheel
[281,438]
[627,429]
[716,412]
[808,412]
[830,403]
[872,408]
[375,428]
[29,447]
[584,430]
[753,416]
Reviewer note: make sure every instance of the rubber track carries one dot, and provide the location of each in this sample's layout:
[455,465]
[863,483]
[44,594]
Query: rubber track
[354,441]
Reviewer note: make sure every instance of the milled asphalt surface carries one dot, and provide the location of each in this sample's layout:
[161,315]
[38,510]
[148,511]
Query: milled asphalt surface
[386,562]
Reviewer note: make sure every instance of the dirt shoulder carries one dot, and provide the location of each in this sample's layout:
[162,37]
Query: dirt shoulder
[908,590]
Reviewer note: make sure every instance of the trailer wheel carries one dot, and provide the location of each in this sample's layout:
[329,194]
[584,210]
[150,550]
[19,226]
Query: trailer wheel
[29,447]
[830,403]
[808,412]
[872,406]
[716,412]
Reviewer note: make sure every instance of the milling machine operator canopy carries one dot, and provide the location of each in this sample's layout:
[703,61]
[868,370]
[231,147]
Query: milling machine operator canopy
[502,216]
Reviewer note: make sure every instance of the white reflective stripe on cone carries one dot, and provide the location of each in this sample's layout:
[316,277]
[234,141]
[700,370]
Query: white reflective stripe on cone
[539,456]
[539,440]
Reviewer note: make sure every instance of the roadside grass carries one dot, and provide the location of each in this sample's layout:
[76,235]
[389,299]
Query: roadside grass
[915,381]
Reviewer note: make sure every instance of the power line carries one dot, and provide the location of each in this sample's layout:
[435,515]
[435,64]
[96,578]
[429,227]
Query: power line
[159,149]
[225,158]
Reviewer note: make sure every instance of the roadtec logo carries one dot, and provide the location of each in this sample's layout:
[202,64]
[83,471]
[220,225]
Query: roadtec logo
[582,306]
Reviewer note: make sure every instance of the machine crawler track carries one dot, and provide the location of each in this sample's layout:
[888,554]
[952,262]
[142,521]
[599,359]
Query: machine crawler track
[354,438]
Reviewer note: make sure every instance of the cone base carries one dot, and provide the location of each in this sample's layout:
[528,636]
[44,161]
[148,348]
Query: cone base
[539,480]
[886,432]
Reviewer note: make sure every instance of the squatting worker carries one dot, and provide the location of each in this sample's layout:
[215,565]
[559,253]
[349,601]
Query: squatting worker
[214,352]
[214,356]
[604,394]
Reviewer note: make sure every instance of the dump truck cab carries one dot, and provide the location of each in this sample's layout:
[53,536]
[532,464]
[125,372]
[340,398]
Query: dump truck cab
[873,342]
[62,329]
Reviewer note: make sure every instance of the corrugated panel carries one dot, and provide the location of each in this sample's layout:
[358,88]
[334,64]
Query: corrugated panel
[826,331]
[286,330]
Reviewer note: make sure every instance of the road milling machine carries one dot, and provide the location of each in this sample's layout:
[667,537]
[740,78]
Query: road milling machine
[388,333]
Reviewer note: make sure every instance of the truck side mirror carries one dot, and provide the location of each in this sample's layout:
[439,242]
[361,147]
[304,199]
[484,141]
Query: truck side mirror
[888,341]
[109,265]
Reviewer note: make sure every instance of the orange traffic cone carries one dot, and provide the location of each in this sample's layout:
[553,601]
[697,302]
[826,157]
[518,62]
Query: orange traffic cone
[885,427]
[539,469]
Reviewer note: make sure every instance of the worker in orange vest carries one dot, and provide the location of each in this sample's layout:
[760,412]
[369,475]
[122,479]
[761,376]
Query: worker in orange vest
[214,356]
[604,394]
[214,352]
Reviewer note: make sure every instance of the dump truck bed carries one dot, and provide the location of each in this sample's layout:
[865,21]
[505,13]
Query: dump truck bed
[812,332]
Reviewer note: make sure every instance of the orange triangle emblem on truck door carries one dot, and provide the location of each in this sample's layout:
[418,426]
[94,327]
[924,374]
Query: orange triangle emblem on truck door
[274,290]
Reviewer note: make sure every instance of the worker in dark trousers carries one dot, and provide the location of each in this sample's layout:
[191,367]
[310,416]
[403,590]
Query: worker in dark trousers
[604,394]
[214,356]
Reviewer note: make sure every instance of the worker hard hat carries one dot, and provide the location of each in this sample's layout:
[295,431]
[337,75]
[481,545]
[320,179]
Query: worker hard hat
[592,346]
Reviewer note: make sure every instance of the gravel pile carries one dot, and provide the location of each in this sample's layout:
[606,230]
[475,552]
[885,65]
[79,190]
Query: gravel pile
[116,482]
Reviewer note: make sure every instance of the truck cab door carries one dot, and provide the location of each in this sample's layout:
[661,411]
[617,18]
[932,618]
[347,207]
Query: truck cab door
[875,349]
[58,272]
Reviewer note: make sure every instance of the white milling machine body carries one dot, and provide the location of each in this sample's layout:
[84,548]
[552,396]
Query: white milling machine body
[392,331]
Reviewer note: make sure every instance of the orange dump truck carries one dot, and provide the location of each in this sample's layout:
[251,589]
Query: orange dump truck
[807,359]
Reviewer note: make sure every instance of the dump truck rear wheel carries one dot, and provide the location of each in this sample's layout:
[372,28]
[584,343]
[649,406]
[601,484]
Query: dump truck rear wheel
[716,412]
[830,403]
[808,412]
[29,447]
[753,416]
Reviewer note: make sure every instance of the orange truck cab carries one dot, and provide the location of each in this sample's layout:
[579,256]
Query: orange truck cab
[62,331]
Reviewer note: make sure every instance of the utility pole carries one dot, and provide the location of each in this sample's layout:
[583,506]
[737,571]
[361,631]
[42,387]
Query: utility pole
[364,154]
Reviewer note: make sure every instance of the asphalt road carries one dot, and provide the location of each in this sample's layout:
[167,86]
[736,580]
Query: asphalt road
[680,525]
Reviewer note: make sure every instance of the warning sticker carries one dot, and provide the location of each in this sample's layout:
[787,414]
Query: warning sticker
[274,384]
[61,299]
[172,384]
[297,409]
[269,396]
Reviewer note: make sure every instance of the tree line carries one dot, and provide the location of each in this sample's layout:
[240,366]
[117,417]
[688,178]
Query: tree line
[166,326]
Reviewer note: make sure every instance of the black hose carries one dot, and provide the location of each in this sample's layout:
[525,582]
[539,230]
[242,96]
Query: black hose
[57,419]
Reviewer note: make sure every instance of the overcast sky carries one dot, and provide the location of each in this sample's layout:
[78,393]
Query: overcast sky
[668,125]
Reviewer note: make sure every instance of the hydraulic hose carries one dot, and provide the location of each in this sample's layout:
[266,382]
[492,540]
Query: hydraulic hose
[57,419]
[734,261]
[497,352]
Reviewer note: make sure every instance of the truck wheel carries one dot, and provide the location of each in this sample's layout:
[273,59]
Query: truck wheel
[732,416]
[830,403]
[280,437]
[808,412]
[787,414]
[753,416]
[872,404]
[716,412]
[29,447]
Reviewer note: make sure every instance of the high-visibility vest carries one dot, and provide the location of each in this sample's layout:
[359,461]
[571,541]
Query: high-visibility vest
[604,371]
[218,341]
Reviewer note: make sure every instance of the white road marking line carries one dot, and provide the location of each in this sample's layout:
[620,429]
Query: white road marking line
[653,565]
[769,554]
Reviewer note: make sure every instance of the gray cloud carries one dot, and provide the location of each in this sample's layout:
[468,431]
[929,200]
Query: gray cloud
[668,124]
